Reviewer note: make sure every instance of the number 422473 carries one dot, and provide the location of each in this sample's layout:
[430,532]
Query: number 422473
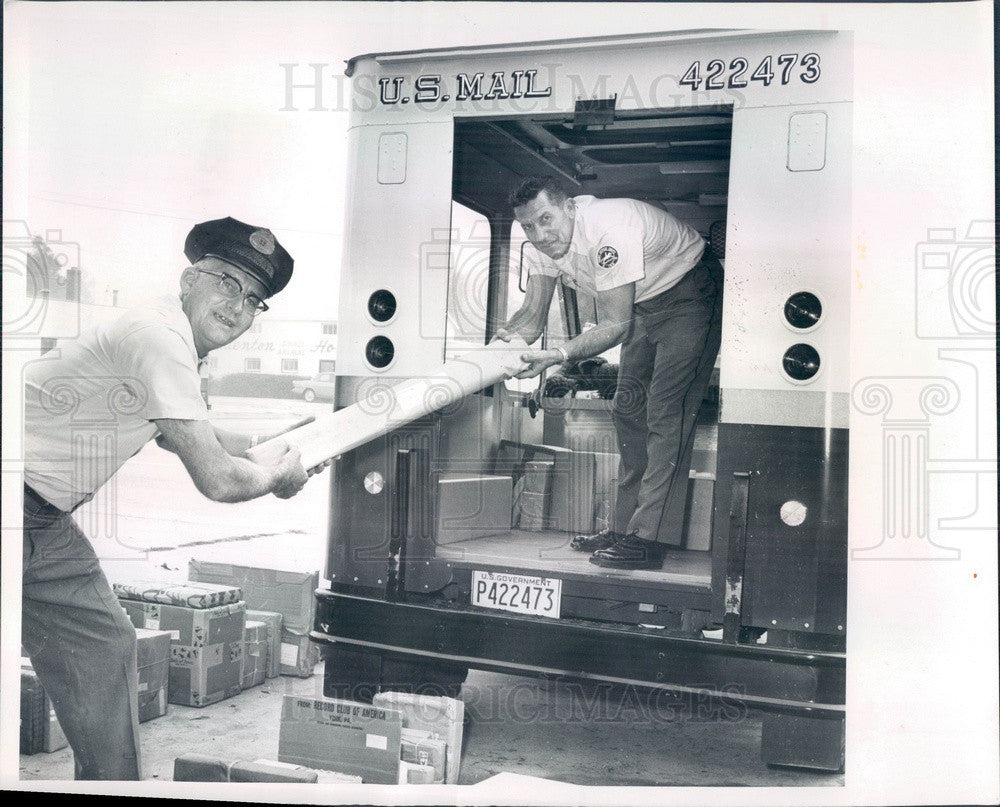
[783,68]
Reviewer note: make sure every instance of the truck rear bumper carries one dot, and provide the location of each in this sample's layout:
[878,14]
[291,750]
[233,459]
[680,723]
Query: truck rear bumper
[796,682]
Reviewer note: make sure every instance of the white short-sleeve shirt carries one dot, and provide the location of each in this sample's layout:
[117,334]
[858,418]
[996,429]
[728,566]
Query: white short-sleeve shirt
[620,241]
[90,403]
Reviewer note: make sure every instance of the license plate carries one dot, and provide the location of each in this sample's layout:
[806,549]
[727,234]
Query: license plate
[538,596]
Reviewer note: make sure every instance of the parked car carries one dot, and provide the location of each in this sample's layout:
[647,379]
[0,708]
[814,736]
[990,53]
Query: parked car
[319,386]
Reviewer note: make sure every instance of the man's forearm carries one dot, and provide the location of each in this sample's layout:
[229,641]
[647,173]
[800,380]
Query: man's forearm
[217,474]
[235,444]
[241,481]
[524,323]
[529,319]
[596,340]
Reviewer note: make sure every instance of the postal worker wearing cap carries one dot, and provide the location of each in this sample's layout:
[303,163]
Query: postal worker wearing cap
[96,402]
[658,294]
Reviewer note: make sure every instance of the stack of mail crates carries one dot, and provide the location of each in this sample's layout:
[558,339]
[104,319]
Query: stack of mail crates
[349,737]
[431,733]
[205,623]
[396,739]
[289,593]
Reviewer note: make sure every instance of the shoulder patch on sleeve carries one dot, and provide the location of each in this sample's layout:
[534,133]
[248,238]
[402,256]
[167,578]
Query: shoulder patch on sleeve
[607,256]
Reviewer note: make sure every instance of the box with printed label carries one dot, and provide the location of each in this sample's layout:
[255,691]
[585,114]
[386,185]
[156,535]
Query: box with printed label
[339,735]
[40,729]
[254,654]
[206,648]
[420,748]
[291,594]
[274,621]
[153,661]
[441,717]
[299,654]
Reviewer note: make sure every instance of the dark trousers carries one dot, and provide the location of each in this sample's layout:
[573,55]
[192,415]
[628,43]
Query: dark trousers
[666,364]
[81,644]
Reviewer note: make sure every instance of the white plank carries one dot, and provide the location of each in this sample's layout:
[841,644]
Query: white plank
[386,408]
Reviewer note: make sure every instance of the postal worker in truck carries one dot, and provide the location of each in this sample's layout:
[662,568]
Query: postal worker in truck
[659,295]
[138,377]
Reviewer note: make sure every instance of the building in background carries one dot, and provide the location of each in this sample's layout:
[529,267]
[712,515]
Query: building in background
[279,347]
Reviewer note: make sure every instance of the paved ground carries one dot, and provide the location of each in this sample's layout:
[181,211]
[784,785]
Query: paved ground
[587,734]
[576,734]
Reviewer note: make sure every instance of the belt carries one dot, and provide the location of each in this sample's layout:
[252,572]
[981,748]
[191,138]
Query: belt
[40,501]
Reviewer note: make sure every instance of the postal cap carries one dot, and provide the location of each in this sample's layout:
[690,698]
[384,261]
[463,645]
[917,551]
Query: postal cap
[253,249]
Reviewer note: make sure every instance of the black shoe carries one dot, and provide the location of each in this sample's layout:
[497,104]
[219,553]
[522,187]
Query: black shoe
[630,552]
[599,540]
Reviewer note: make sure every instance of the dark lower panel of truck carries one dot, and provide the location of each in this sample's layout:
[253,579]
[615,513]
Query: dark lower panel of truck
[782,680]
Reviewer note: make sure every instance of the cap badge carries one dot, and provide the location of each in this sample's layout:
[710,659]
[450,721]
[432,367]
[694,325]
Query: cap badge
[607,257]
[262,241]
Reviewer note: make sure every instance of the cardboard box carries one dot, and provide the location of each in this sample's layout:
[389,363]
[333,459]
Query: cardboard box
[567,504]
[420,748]
[40,729]
[189,595]
[254,654]
[153,661]
[200,768]
[291,594]
[411,774]
[572,507]
[33,713]
[206,648]
[532,499]
[267,770]
[299,654]
[274,621]
[473,506]
[441,717]
[339,735]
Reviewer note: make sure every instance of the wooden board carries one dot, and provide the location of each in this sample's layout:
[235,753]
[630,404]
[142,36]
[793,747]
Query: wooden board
[385,408]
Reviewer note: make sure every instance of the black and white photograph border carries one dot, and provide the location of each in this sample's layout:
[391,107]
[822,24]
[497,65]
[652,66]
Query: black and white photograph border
[128,123]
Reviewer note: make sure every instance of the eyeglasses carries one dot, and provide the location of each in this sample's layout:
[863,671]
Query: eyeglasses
[232,288]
